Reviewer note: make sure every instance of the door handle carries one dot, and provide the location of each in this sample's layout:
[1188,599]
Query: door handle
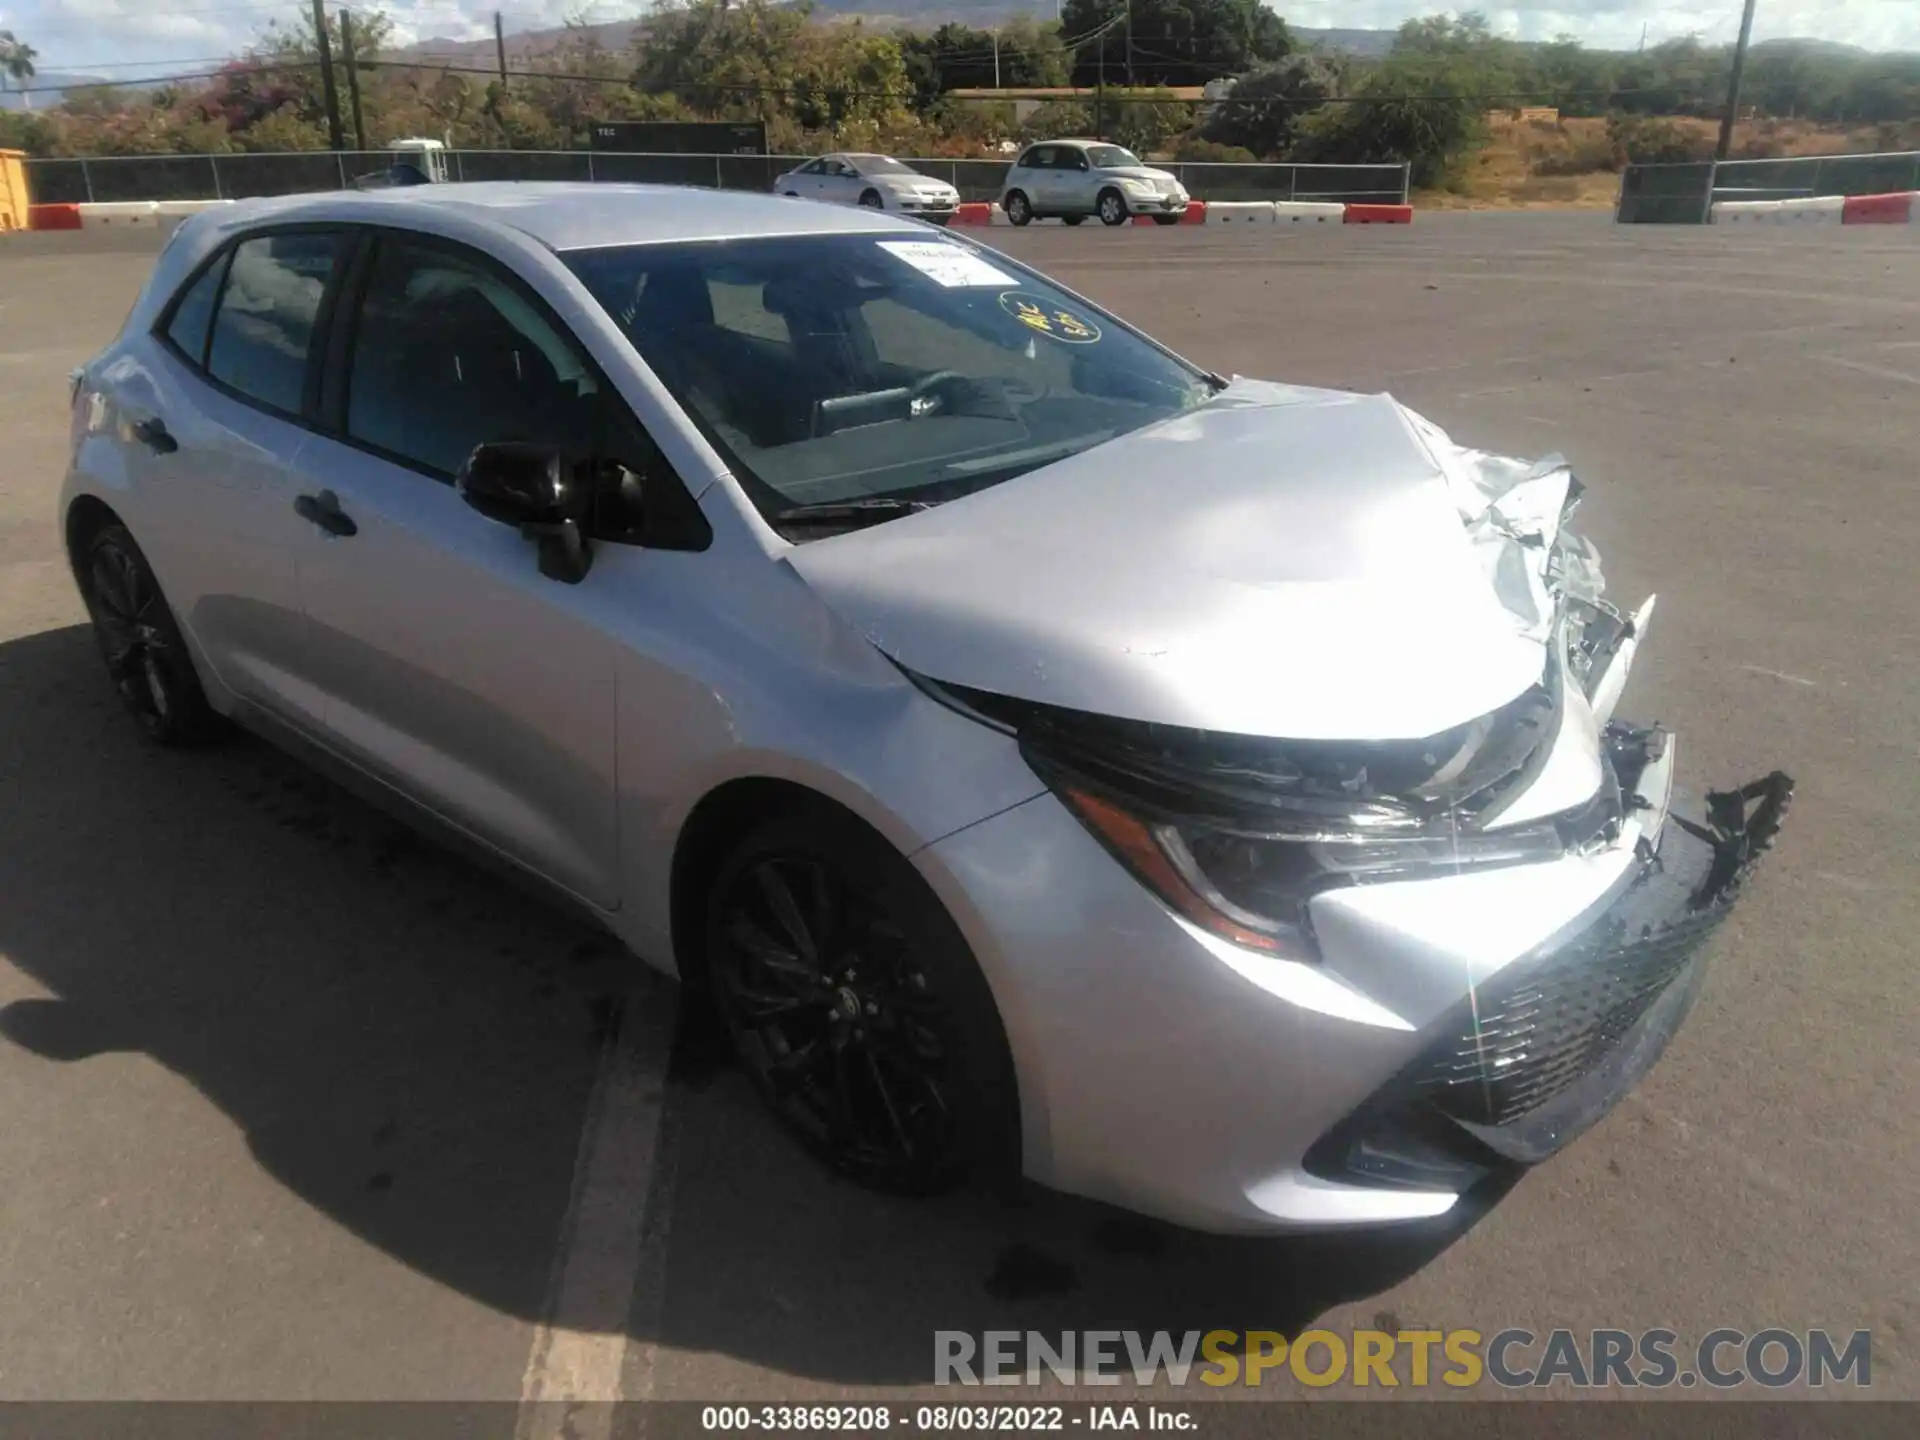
[153,433]
[324,510]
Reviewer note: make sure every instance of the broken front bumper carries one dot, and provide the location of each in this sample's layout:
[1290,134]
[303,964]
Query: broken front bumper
[1547,1046]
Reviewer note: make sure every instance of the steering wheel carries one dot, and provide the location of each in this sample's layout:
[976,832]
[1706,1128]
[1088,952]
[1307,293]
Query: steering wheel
[921,389]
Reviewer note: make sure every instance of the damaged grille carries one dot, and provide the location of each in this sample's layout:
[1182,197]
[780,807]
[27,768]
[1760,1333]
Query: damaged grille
[1540,1027]
[1546,1048]
[1543,1033]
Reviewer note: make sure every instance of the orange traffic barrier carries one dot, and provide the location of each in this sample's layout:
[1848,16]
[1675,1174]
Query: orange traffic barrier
[973,212]
[1379,215]
[1878,209]
[53,217]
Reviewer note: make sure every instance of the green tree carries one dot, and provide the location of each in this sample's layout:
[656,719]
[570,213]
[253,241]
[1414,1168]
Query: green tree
[1410,109]
[1173,42]
[1266,107]
[1021,54]
[765,61]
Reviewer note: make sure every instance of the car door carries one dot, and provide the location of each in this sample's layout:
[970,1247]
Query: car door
[840,182]
[454,670]
[214,421]
[1072,181]
[805,182]
[1036,176]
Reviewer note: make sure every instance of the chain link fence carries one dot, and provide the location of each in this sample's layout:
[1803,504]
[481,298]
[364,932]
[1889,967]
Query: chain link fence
[1686,194]
[237,177]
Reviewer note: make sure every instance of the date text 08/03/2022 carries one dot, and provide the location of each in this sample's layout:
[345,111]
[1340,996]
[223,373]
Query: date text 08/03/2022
[940,1418]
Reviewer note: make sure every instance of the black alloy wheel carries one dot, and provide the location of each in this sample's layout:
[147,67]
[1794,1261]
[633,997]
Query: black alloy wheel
[146,655]
[856,1008]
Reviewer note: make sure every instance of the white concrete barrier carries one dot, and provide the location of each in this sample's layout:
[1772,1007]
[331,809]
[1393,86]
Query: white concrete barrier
[1808,210]
[188,207]
[1308,212]
[1239,212]
[119,213]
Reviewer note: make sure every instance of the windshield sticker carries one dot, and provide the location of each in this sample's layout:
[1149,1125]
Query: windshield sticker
[1049,319]
[945,264]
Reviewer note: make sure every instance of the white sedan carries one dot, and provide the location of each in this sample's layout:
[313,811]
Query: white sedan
[876,181]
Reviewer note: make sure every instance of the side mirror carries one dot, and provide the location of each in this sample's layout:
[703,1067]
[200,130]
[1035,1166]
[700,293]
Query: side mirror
[535,489]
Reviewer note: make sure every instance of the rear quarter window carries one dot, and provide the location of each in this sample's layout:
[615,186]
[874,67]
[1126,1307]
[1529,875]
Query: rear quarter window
[192,313]
[268,307]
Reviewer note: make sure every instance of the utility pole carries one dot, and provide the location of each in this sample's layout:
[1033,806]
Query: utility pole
[996,57]
[1100,95]
[1733,86]
[500,50]
[328,89]
[353,79]
[1127,10]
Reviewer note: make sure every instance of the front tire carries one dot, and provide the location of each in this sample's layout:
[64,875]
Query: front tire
[857,1009]
[146,655]
[1019,209]
[1073,219]
[1166,219]
[1112,207]
[871,200]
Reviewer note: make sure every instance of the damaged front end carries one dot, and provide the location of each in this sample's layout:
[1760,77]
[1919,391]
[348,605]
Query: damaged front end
[1241,834]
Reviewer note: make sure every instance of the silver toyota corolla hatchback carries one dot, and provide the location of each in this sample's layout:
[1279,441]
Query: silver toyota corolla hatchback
[1201,795]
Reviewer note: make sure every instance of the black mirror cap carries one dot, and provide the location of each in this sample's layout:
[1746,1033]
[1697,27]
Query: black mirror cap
[519,482]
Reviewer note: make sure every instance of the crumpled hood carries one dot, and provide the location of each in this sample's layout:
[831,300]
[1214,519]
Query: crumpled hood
[1282,561]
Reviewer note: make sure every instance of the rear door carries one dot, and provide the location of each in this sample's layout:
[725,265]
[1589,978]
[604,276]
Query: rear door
[452,668]
[1036,176]
[213,423]
[1072,181]
[840,183]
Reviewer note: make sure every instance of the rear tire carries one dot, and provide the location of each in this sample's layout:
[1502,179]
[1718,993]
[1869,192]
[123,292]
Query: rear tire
[1166,219]
[857,1009]
[1073,219]
[1019,209]
[1112,207]
[147,657]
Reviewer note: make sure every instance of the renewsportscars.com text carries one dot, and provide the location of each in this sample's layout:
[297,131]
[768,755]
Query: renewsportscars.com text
[1387,1359]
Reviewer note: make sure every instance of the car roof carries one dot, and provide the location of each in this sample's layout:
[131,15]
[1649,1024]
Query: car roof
[579,215]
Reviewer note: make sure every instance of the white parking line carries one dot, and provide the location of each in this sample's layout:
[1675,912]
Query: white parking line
[573,1369]
[1866,367]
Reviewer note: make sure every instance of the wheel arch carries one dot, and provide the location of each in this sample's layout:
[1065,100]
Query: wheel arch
[718,821]
[86,517]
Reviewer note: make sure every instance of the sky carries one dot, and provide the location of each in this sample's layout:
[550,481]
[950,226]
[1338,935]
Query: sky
[131,37]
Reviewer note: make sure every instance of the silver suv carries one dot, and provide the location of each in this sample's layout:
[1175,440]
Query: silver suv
[1077,178]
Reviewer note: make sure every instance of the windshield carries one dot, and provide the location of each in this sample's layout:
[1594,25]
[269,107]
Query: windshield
[1111,157]
[879,165]
[835,368]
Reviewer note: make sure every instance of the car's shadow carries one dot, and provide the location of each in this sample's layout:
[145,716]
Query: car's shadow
[409,1045]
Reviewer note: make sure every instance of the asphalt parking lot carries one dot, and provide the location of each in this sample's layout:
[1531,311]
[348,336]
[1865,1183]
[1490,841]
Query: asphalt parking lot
[291,1103]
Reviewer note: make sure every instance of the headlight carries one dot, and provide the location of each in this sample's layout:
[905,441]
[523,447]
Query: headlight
[1238,833]
[1136,187]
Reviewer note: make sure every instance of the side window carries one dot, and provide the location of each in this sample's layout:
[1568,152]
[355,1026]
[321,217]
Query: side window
[193,313]
[264,326]
[814,167]
[1072,159]
[448,354]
